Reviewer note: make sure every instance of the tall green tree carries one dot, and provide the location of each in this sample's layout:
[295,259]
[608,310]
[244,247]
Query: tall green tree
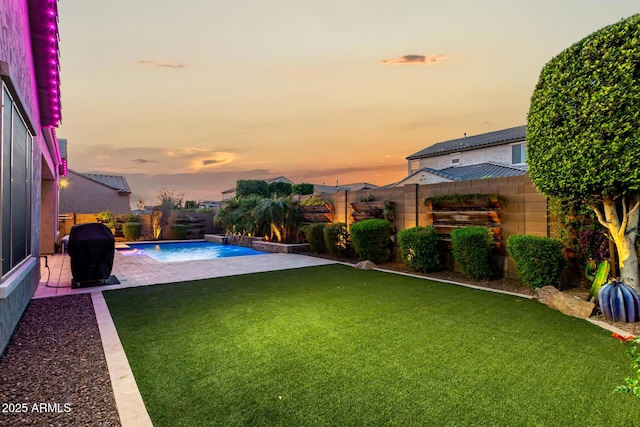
[583,133]
[248,187]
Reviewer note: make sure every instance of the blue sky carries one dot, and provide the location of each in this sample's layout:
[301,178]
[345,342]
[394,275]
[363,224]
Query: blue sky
[196,94]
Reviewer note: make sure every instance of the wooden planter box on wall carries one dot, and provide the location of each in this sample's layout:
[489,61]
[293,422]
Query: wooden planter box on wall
[369,210]
[448,215]
[317,213]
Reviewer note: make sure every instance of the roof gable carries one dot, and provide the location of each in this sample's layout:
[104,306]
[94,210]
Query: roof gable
[117,182]
[499,137]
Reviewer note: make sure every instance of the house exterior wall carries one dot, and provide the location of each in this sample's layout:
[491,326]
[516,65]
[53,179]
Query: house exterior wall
[85,196]
[18,285]
[424,178]
[498,154]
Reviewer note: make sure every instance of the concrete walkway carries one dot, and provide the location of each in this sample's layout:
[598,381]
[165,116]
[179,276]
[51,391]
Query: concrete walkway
[142,271]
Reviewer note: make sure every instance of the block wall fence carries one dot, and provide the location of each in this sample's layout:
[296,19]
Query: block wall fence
[525,210]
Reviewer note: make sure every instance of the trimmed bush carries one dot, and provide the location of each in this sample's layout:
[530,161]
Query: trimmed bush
[538,259]
[248,187]
[315,236]
[472,251]
[302,189]
[179,231]
[418,248]
[371,239]
[130,218]
[336,239]
[131,230]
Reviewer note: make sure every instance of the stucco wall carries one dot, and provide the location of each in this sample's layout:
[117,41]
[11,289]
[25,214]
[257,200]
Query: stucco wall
[15,53]
[499,154]
[84,196]
[15,49]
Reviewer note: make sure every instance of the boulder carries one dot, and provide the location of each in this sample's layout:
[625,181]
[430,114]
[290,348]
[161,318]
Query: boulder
[365,265]
[567,304]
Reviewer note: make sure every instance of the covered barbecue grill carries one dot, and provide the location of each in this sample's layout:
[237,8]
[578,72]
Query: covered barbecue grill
[91,248]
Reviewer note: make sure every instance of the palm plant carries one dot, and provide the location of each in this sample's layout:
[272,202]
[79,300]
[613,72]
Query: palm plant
[278,218]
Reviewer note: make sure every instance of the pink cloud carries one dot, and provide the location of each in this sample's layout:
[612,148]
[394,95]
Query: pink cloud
[168,64]
[415,59]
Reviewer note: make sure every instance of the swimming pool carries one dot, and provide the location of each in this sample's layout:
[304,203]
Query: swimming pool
[188,251]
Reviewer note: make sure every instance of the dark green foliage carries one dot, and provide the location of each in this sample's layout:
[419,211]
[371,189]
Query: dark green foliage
[302,189]
[472,251]
[418,248]
[280,189]
[179,231]
[131,230]
[336,239]
[315,200]
[130,218]
[237,216]
[190,204]
[277,219]
[582,131]
[538,259]
[479,198]
[371,239]
[248,187]
[315,237]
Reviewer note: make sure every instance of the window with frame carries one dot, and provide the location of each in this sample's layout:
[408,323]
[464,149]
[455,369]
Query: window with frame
[15,184]
[518,153]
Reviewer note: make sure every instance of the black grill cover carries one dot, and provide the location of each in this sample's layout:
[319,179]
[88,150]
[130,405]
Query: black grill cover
[91,248]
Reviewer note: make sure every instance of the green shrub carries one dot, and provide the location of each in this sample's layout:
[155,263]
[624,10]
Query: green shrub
[248,187]
[472,251]
[371,239]
[419,248]
[315,236]
[179,231]
[130,218]
[190,204]
[538,259]
[336,239]
[314,200]
[302,189]
[280,189]
[131,231]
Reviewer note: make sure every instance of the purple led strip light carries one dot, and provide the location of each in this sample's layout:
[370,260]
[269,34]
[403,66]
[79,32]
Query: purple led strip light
[43,18]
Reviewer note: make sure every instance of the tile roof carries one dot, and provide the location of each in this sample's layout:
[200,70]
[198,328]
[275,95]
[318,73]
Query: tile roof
[479,171]
[470,142]
[117,182]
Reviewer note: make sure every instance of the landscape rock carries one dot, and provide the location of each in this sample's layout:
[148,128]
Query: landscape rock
[365,265]
[566,304]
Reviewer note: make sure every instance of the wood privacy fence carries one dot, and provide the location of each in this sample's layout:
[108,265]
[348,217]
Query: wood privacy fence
[524,212]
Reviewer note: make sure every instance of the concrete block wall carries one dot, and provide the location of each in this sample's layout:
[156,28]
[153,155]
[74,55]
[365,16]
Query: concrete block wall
[525,211]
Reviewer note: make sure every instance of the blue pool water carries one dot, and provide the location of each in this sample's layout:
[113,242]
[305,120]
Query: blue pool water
[174,252]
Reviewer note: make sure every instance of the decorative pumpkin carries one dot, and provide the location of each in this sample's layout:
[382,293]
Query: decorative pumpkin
[619,302]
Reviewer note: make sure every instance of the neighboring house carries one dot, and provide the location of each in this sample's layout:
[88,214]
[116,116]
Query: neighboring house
[507,146]
[318,188]
[231,192]
[30,160]
[90,193]
[490,155]
[209,204]
[463,173]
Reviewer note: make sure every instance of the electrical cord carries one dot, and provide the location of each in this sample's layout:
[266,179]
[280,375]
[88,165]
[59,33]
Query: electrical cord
[46,264]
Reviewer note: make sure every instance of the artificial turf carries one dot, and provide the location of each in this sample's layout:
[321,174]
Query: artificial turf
[336,346]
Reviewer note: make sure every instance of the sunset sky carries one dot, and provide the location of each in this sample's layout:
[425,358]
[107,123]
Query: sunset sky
[196,94]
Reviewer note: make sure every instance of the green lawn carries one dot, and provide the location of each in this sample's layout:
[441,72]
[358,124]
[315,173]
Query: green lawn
[333,345]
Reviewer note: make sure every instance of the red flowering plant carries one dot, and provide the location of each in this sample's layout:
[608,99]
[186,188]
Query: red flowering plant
[632,384]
